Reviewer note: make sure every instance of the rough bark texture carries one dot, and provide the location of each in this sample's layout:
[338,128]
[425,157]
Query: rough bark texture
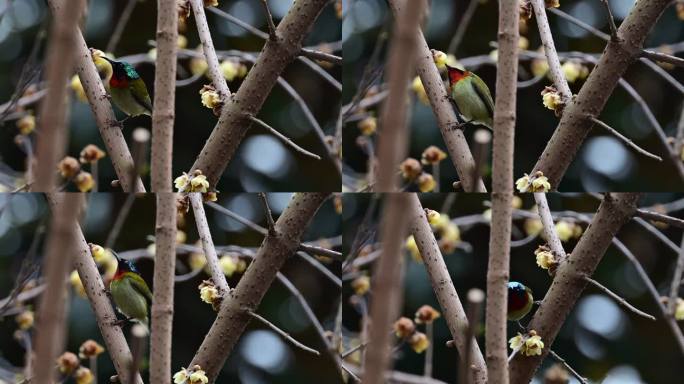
[214,69]
[113,337]
[233,315]
[568,283]
[452,309]
[502,195]
[54,134]
[207,243]
[387,291]
[102,109]
[50,330]
[164,113]
[393,137]
[248,100]
[575,123]
[446,116]
[162,299]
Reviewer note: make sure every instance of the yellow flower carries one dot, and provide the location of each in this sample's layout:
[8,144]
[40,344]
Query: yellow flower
[494,55]
[404,327]
[426,182]
[442,222]
[84,181]
[551,99]
[451,233]
[440,59]
[228,265]
[229,69]
[198,376]
[67,363]
[572,70]
[197,261]
[209,3]
[361,285]
[432,216]
[419,342]
[181,376]
[679,309]
[533,345]
[368,126]
[152,53]
[523,43]
[417,87]
[83,375]
[25,320]
[487,215]
[540,183]
[523,184]
[198,66]
[199,183]
[241,266]
[432,155]
[210,98]
[564,230]
[413,248]
[516,202]
[539,67]
[551,3]
[77,87]
[210,196]
[545,258]
[99,253]
[208,293]
[89,348]
[242,70]
[26,124]
[182,42]
[181,182]
[181,237]
[410,169]
[426,314]
[533,227]
[77,284]
[516,342]
[91,154]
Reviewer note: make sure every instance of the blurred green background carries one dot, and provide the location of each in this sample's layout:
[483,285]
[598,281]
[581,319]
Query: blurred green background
[603,163]
[261,356]
[599,339]
[262,162]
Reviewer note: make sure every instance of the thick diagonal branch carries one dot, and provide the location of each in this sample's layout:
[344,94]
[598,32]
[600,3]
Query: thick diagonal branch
[234,315]
[454,314]
[568,283]
[248,100]
[618,55]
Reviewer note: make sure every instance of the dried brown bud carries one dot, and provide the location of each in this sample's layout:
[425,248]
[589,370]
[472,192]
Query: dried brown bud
[91,154]
[404,327]
[426,314]
[67,363]
[68,167]
[410,169]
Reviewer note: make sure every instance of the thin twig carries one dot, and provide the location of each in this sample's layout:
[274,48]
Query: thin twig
[617,298]
[663,57]
[284,334]
[549,227]
[625,140]
[346,354]
[121,25]
[120,220]
[283,138]
[321,56]
[267,212]
[676,280]
[462,26]
[272,35]
[568,367]
[611,21]
[207,243]
[655,216]
[214,68]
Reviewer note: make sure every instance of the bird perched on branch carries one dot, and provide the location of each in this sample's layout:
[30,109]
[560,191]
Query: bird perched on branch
[130,292]
[520,301]
[122,81]
[471,97]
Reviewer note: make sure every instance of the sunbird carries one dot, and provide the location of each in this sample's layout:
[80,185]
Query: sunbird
[122,81]
[520,301]
[130,292]
[471,96]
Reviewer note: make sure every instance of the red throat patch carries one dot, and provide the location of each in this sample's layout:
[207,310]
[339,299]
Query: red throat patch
[118,83]
[455,75]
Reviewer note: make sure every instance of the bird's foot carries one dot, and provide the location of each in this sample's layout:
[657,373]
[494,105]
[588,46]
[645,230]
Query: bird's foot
[455,125]
[116,123]
[119,322]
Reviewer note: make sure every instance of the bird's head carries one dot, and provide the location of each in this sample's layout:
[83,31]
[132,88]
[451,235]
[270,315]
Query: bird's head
[456,75]
[123,266]
[103,65]
[123,73]
[518,294]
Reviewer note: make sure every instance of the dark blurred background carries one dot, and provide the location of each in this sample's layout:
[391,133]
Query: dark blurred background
[262,162]
[603,163]
[261,356]
[599,339]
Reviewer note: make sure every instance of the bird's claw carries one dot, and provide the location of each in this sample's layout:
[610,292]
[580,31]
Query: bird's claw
[119,322]
[116,123]
[455,125]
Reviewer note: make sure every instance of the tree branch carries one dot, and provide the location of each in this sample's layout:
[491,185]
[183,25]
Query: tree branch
[548,226]
[164,114]
[54,134]
[162,300]
[617,298]
[248,100]
[284,334]
[387,286]
[676,280]
[274,251]
[573,127]
[214,68]
[208,244]
[445,291]
[286,140]
[625,140]
[272,34]
[502,194]
[655,216]
[567,285]
[454,139]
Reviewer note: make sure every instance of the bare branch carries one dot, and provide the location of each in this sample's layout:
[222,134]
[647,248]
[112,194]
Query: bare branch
[208,244]
[663,58]
[214,69]
[321,56]
[267,212]
[611,21]
[676,280]
[655,216]
[579,377]
[475,298]
[549,227]
[283,138]
[284,334]
[272,34]
[625,140]
[121,25]
[462,26]
[617,298]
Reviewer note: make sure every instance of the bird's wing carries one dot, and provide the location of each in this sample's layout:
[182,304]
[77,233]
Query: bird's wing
[141,286]
[140,94]
[485,96]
